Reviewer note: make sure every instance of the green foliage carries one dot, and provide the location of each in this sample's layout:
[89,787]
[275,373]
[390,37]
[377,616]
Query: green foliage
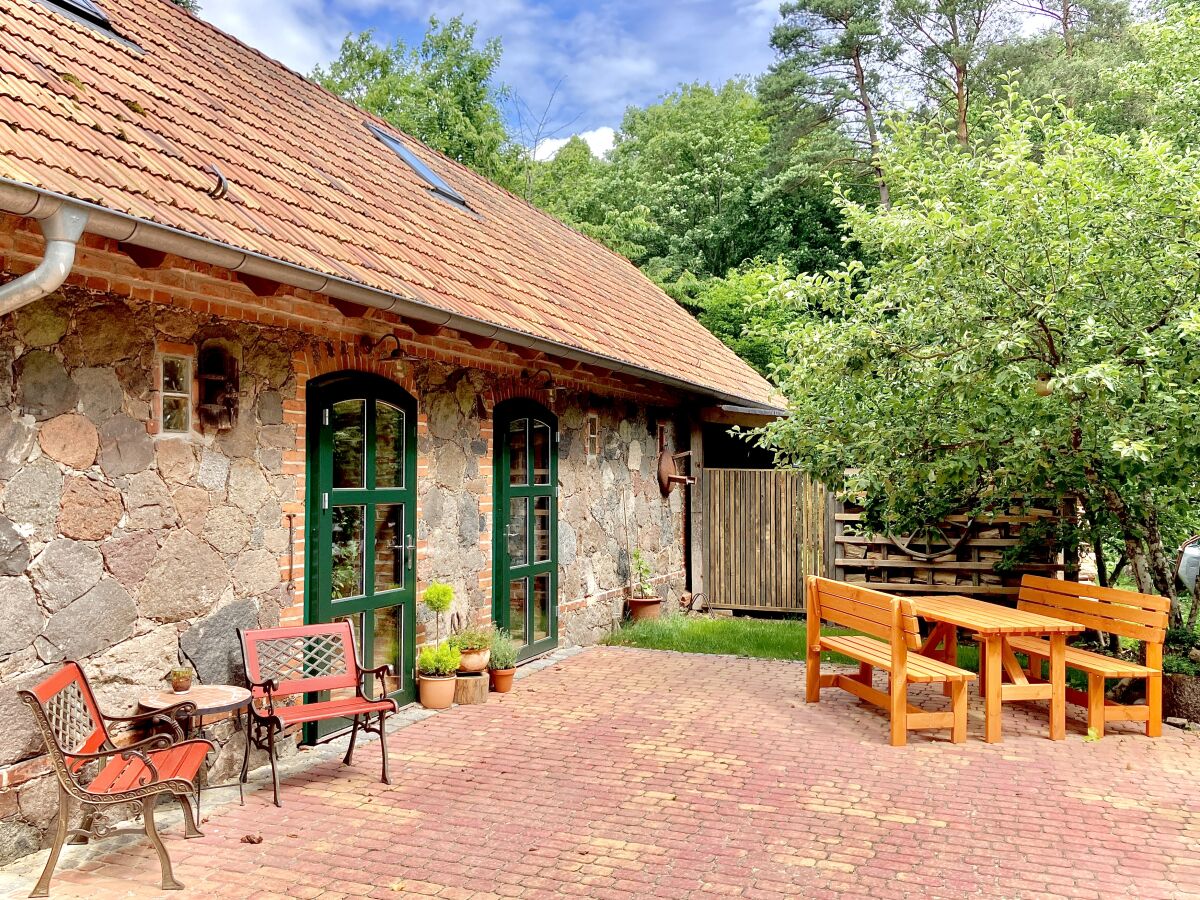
[641,575]
[443,92]
[1165,78]
[191,6]
[438,661]
[438,597]
[470,639]
[504,650]
[1055,257]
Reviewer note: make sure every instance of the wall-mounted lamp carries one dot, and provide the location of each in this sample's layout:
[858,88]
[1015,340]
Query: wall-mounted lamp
[547,384]
[397,355]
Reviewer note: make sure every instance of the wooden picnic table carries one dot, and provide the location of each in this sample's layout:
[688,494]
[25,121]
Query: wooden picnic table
[995,624]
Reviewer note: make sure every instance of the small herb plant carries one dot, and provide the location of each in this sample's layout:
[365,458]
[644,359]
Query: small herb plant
[438,661]
[504,651]
[640,575]
[438,597]
[471,639]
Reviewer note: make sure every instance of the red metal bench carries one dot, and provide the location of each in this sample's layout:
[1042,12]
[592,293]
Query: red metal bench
[303,659]
[97,773]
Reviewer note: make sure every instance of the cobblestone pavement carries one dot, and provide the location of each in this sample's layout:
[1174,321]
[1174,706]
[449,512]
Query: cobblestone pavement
[625,774]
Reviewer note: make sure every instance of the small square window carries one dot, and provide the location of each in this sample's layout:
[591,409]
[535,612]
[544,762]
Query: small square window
[176,394]
[593,435]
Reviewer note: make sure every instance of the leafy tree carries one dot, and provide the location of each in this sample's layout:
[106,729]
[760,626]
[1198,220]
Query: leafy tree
[569,185]
[828,74]
[945,41]
[443,92]
[1166,78]
[1027,325]
[191,6]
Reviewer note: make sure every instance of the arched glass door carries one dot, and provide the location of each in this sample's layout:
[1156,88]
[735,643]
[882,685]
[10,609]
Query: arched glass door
[362,517]
[525,543]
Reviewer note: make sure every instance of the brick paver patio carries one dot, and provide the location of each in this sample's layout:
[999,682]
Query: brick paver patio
[626,774]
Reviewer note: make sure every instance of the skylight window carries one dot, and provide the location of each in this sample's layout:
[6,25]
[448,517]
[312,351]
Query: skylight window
[88,13]
[436,183]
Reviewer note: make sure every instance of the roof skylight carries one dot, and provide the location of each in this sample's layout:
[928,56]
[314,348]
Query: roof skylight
[86,12]
[436,183]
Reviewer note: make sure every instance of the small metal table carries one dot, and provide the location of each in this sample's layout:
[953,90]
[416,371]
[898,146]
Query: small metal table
[995,624]
[210,700]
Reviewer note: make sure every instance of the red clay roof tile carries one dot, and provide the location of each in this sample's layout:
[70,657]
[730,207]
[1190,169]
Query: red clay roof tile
[135,132]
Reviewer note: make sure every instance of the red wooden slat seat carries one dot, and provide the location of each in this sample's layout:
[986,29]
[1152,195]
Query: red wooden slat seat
[298,660]
[182,760]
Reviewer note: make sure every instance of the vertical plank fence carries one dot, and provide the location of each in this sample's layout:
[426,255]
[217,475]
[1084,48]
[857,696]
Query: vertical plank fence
[765,530]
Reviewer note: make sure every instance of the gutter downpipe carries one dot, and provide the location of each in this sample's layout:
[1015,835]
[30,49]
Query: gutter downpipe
[62,229]
[39,203]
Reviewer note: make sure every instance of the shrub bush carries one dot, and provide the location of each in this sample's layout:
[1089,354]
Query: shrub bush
[438,661]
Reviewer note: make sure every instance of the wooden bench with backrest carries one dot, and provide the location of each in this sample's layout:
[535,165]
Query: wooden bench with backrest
[292,661]
[98,773]
[888,641]
[1142,617]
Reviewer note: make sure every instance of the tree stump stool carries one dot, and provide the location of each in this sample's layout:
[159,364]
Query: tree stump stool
[471,687]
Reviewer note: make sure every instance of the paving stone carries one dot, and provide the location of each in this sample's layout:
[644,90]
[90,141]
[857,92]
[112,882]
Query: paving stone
[125,446]
[44,390]
[70,439]
[96,621]
[90,509]
[64,571]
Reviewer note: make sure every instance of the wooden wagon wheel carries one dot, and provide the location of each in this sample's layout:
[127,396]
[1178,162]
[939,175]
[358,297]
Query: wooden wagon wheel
[950,534]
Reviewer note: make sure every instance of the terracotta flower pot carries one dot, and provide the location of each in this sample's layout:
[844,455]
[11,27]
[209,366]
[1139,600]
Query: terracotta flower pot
[437,691]
[645,608]
[502,680]
[474,660]
[181,680]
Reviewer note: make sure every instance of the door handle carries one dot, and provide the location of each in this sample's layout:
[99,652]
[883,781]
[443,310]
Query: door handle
[410,552]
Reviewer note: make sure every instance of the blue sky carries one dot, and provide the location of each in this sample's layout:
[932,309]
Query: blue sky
[607,55]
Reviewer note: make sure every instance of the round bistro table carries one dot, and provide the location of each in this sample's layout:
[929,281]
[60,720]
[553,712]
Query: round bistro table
[210,700]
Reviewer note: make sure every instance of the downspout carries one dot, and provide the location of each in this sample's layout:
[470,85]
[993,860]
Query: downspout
[62,229]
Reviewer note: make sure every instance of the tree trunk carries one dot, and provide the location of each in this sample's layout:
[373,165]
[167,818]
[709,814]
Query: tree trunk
[1160,566]
[960,92]
[868,108]
[1135,550]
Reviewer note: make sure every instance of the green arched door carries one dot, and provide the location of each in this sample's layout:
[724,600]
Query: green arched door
[362,517]
[525,534]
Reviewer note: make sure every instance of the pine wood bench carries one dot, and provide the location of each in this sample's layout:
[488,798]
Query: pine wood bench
[890,631]
[1142,617]
[308,659]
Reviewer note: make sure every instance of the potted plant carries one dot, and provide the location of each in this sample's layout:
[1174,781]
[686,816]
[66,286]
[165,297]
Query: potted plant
[439,598]
[644,602]
[502,663]
[475,646]
[181,680]
[436,666]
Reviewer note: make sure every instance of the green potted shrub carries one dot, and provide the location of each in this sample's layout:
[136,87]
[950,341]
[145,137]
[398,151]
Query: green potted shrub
[502,663]
[437,666]
[438,597]
[644,602]
[475,646]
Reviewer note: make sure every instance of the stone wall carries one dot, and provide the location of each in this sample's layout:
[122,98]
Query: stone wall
[132,551]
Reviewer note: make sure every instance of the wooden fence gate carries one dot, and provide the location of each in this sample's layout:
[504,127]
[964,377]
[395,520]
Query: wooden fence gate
[764,530]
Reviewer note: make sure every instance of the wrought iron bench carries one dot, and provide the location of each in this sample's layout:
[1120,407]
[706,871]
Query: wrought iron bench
[308,659]
[97,773]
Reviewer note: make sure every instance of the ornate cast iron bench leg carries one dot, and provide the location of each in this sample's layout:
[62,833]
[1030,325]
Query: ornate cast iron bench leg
[168,876]
[42,888]
[383,745]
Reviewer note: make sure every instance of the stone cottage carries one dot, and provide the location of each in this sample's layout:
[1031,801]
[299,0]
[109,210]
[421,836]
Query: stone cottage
[264,359]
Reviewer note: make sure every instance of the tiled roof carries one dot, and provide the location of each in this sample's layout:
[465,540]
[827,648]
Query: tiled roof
[94,119]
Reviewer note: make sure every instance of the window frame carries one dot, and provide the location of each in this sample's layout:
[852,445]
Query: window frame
[189,362]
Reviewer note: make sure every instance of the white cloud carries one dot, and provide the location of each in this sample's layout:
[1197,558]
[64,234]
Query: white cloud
[298,33]
[600,140]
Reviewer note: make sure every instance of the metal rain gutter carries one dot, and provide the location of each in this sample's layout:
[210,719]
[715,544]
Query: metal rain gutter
[39,203]
[62,229]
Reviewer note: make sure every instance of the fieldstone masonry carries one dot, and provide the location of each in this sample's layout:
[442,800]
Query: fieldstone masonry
[133,552]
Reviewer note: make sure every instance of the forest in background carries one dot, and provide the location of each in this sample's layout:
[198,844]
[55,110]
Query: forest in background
[720,193]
